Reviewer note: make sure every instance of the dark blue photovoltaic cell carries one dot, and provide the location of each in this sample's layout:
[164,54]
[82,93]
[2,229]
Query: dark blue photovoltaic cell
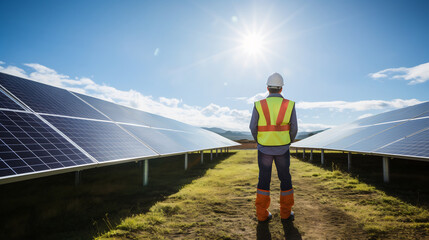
[416,145]
[27,145]
[6,102]
[124,114]
[43,98]
[105,141]
[390,135]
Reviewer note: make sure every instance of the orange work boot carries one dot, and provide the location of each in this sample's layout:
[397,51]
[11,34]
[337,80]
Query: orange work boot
[286,203]
[262,203]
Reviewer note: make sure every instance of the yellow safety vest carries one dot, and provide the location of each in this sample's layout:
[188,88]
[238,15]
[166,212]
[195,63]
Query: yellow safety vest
[274,119]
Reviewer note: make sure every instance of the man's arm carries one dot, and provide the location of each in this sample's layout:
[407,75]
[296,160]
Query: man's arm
[293,125]
[254,123]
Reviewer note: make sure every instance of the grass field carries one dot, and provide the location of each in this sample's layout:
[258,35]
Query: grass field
[215,200]
[329,204]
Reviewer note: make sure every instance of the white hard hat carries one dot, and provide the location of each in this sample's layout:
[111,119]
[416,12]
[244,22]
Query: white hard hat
[275,80]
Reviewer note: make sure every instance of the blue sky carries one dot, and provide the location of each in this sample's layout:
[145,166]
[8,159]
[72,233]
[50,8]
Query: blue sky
[192,60]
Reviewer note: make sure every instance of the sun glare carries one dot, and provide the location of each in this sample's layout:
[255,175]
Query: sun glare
[253,44]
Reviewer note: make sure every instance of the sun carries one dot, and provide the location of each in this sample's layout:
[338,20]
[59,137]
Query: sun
[253,44]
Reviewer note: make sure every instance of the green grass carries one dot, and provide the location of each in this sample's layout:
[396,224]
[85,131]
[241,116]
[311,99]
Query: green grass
[378,213]
[219,205]
[214,200]
[54,208]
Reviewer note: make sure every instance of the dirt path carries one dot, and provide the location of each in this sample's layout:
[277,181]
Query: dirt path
[314,219]
[317,220]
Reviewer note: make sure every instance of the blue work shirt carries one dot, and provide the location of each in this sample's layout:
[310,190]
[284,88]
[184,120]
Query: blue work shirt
[273,150]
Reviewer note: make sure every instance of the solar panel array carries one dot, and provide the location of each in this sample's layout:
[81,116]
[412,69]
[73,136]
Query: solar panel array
[402,133]
[46,130]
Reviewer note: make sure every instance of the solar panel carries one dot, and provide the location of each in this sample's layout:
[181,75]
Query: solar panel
[399,114]
[125,114]
[375,133]
[27,144]
[215,140]
[321,139]
[6,102]
[416,145]
[171,141]
[43,98]
[166,141]
[389,135]
[358,134]
[104,141]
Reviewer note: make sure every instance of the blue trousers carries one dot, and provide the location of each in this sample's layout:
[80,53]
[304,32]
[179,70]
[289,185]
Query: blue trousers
[265,163]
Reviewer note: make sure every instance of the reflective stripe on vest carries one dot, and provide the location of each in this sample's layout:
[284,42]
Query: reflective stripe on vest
[274,133]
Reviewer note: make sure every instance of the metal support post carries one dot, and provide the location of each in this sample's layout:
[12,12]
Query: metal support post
[145,172]
[303,153]
[349,161]
[386,169]
[322,156]
[77,178]
[311,154]
[211,154]
[186,161]
[216,152]
[296,151]
[202,157]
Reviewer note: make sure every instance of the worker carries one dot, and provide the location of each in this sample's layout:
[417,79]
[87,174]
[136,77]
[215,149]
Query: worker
[274,126]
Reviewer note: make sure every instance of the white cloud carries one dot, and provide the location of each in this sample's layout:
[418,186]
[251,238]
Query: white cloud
[12,70]
[1,62]
[174,102]
[358,105]
[254,98]
[310,127]
[365,115]
[417,74]
[156,52]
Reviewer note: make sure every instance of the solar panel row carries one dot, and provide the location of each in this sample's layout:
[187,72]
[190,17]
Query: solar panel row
[398,132]
[64,130]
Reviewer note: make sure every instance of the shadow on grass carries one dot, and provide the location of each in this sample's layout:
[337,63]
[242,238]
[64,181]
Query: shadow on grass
[54,208]
[290,231]
[408,178]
